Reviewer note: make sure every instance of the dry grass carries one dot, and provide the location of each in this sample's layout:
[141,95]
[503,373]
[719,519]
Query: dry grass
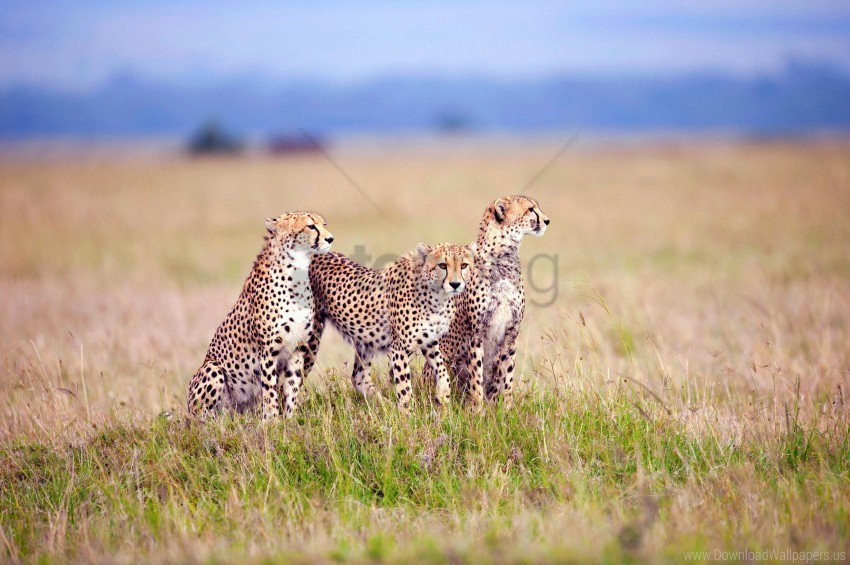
[686,390]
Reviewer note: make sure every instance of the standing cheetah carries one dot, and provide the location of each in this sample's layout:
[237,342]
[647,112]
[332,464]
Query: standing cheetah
[267,330]
[480,346]
[403,307]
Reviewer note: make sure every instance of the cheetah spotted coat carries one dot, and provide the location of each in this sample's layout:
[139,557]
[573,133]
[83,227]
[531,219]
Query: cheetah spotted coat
[401,308]
[480,346]
[266,331]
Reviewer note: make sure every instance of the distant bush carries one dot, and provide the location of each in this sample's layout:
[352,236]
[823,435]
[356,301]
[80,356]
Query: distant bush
[211,138]
[451,122]
[291,144]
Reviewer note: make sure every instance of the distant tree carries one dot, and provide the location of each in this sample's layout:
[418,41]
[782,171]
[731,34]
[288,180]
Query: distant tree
[287,144]
[451,122]
[211,138]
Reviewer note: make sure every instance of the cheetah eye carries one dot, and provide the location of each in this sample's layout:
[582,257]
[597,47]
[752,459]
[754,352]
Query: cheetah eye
[531,209]
[464,265]
[313,227]
[443,266]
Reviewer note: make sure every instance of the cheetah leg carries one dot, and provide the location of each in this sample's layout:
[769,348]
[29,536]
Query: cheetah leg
[207,394]
[400,373]
[292,380]
[431,351]
[313,343]
[360,376]
[503,373]
[475,371]
[458,368]
[269,378]
[428,372]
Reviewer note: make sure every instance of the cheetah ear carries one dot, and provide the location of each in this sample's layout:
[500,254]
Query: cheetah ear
[499,209]
[473,246]
[423,249]
[271,225]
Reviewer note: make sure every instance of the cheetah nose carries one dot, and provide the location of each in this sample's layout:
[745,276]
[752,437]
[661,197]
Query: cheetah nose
[546,221]
[329,239]
[454,285]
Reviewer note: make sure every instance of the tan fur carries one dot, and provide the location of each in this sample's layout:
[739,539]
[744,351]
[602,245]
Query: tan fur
[480,346]
[266,331]
[401,308]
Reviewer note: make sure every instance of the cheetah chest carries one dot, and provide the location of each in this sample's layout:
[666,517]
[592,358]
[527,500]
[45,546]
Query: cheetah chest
[436,324]
[295,323]
[506,303]
[295,318]
[506,306]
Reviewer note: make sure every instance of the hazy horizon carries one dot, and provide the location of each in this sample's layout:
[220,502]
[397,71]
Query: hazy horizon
[83,45]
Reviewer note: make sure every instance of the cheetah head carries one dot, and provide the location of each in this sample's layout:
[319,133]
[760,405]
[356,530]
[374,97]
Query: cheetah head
[303,233]
[447,266]
[517,216]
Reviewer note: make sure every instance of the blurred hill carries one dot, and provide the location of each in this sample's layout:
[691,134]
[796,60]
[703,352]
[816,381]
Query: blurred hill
[801,98]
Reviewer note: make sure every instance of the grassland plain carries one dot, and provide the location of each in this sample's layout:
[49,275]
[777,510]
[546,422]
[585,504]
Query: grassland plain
[683,387]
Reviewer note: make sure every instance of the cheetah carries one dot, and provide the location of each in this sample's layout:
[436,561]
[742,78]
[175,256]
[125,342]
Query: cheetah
[403,307]
[266,332]
[480,346]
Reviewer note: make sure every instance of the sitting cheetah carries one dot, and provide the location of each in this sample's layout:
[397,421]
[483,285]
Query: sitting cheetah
[405,306]
[268,328]
[480,346]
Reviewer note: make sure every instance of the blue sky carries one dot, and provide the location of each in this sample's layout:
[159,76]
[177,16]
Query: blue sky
[81,44]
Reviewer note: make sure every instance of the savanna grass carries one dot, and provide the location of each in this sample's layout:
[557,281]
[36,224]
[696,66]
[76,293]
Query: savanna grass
[350,480]
[683,369]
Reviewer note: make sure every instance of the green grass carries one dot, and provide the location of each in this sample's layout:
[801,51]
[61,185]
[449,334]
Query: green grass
[682,389]
[349,481]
